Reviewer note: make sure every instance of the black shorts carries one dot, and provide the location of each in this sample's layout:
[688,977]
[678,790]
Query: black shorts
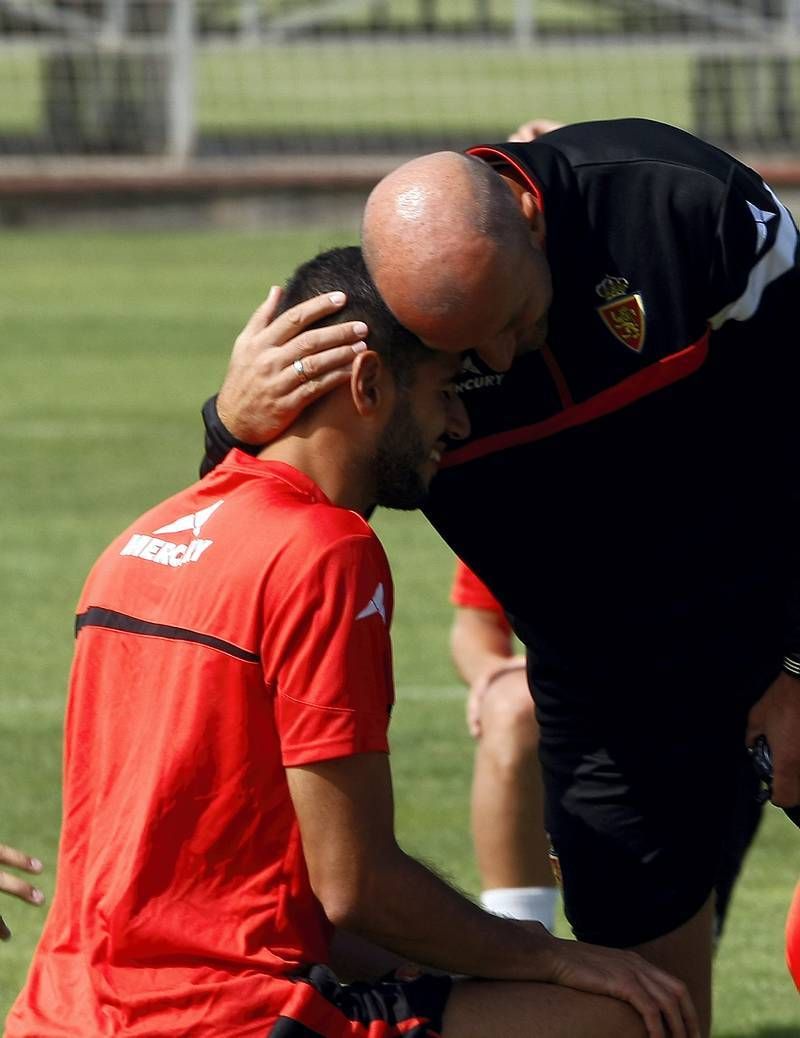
[321,1007]
[650,799]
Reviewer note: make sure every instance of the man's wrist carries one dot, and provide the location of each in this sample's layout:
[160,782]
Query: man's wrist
[791,664]
[219,440]
[216,427]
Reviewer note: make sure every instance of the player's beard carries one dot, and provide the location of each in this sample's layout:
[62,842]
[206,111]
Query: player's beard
[399,460]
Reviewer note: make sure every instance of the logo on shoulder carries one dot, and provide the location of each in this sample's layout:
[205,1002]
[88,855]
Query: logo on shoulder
[169,553]
[623,312]
[375,606]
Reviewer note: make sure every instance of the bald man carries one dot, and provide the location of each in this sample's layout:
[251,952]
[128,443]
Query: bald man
[628,491]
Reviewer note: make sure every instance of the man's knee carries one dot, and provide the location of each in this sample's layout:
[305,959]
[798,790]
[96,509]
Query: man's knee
[495,1009]
[509,729]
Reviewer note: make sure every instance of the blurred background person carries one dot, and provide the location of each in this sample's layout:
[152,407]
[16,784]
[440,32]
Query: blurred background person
[507,805]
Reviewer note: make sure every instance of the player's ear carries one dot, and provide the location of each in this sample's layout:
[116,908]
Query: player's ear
[534,216]
[368,383]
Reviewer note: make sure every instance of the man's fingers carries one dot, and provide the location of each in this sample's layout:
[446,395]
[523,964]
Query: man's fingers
[19,888]
[297,318]
[295,400]
[645,1005]
[11,856]
[674,1004]
[262,316]
[337,359]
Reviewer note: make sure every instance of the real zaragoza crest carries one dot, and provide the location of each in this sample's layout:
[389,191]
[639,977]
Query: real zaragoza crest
[623,313]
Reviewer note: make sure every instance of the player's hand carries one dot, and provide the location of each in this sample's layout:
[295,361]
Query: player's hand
[532,129]
[777,716]
[493,673]
[15,886]
[263,392]
[662,1001]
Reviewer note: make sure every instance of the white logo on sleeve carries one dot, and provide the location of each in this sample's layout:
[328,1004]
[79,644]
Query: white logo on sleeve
[762,218]
[375,605]
[168,553]
[778,257]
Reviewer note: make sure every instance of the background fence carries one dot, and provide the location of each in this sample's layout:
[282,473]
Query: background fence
[192,79]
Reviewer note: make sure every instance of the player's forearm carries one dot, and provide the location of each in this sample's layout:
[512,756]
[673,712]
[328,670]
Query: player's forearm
[356,958]
[405,907]
[478,639]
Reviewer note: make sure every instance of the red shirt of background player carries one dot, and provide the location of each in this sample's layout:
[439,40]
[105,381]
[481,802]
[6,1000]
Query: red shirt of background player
[469,592]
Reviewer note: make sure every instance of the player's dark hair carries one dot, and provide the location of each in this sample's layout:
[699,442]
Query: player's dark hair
[343,269]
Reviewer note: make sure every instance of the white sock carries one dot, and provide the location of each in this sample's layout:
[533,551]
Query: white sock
[537,903]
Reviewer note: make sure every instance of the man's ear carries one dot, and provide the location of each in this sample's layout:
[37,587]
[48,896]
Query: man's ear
[368,383]
[534,217]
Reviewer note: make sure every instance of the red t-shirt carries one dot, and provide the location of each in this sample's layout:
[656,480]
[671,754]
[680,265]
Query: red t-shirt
[470,592]
[236,629]
[793,938]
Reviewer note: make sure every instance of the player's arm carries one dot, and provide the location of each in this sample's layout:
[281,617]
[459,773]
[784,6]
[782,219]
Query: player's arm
[368,885]
[11,884]
[263,391]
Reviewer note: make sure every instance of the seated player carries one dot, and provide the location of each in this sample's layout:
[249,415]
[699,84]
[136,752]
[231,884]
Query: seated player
[227,792]
[508,830]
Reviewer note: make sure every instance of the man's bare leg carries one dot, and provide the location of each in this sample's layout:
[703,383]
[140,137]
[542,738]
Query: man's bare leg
[507,796]
[493,1009]
[686,953]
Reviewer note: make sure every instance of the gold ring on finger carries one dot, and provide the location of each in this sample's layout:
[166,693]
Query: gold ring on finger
[301,371]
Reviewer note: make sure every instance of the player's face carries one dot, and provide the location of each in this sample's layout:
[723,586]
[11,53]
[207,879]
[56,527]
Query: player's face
[425,417]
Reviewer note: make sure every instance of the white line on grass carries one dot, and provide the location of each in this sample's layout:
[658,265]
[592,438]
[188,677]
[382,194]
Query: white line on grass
[430,692]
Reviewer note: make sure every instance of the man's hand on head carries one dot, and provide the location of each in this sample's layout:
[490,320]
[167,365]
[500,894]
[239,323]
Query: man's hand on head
[278,366]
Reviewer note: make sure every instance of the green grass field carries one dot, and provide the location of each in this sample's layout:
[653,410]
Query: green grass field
[393,87]
[110,343]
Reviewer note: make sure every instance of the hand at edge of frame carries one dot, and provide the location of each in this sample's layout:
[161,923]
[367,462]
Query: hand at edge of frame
[13,885]
[533,129]
[479,688]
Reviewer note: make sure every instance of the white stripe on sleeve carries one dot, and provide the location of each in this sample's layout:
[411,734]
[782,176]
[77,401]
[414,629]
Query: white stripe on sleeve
[779,259]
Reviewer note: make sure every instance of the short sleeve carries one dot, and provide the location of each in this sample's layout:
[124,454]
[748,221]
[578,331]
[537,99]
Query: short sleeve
[470,592]
[329,654]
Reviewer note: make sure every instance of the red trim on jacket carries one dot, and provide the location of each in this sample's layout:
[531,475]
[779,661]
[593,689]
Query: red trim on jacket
[557,375]
[484,152]
[659,375]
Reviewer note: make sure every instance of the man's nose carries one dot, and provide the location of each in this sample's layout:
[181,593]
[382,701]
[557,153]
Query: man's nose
[457,419]
[498,353]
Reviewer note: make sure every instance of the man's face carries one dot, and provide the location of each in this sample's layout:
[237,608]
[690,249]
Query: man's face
[505,314]
[424,418]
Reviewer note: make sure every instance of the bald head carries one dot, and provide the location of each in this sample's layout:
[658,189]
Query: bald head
[440,233]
